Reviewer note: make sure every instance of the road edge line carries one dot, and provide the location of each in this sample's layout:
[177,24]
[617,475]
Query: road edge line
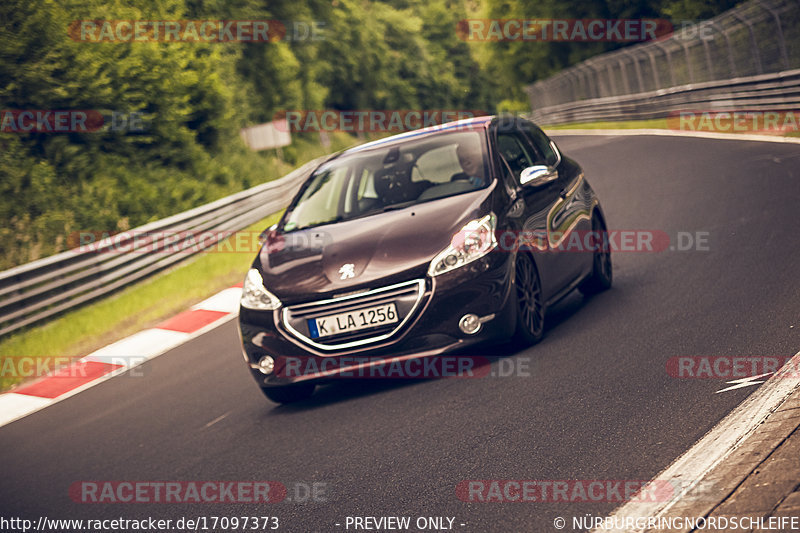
[713,448]
[35,403]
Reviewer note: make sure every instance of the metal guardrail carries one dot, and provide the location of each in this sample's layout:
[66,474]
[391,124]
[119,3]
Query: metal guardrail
[766,92]
[746,58]
[44,288]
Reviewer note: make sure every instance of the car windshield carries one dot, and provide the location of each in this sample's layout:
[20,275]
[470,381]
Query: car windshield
[391,177]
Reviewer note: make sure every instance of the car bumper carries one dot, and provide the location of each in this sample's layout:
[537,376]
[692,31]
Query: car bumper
[483,288]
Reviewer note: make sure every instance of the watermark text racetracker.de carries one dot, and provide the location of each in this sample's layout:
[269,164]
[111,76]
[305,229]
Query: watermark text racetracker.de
[204,492]
[206,31]
[563,30]
[613,240]
[366,367]
[581,490]
[369,120]
[216,241]
[731,367]
[70,121]
[64,367]
[737,121]
[176,242]
[193,523]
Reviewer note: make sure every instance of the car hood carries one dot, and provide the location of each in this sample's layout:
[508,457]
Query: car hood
[366,252]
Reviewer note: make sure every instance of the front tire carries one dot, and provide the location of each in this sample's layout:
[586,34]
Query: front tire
[528,298]
[602,275]
[289,393]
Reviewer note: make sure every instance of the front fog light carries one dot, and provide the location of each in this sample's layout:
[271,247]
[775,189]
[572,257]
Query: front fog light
[266,365]
[469,324]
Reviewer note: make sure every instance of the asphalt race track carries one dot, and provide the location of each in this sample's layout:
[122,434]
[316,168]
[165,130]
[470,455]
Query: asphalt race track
[598,403]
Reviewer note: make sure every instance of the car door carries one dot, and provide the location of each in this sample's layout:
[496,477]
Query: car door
[570,221]
[538,204]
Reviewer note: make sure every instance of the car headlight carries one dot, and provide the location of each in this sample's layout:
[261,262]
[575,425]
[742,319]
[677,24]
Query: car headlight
[255,295]
[476,239]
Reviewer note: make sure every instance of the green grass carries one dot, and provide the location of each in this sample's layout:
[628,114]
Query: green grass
[658,123]
[146,303]
[149,302]
[137,307]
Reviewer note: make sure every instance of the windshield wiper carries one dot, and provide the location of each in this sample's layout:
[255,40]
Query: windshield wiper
[402,205]
[316,224]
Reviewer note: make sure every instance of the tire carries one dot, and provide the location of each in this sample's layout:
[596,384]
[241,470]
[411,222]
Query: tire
[528,300]
[289,393]
[602,273]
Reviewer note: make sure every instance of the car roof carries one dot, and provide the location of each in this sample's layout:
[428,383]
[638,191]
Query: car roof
[472,123]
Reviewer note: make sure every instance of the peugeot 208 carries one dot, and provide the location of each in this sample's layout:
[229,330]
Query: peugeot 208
[418,245]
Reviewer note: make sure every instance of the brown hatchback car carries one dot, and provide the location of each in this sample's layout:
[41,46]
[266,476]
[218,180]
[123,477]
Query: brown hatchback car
[418,245]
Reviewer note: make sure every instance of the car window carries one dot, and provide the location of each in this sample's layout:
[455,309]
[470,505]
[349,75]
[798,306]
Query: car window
[512,148]
[545,155]
[395,176]
[320,200]
[366,188]
[350,195]
[437,165]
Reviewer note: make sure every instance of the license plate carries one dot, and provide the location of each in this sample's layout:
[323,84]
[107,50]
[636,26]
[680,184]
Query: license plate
[352,321]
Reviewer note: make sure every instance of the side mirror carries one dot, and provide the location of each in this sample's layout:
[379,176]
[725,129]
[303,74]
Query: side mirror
[538,175]
[262,237]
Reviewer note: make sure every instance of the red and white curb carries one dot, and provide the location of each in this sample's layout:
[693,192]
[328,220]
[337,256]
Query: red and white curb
[120,356]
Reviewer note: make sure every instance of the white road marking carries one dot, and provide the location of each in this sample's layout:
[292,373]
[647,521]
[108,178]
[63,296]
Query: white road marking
[144,345]
[690,468]
[217,420]
[744,382]
[14,406]
[129,353]
[226,301]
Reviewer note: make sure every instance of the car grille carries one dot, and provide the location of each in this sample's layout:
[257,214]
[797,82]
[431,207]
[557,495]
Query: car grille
[406,297]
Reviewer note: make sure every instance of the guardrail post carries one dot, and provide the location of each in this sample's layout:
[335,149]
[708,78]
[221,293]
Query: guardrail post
[707,49]
[570,88]
[611,84]
[756,55]
[554,97]
[689,69]
[731,61]
[664,49]
[637,69]
[541,100]
[624,76]
[561,94]
[781,41]
[602,86]
[584,82]
[601,89]
[573,80]
[591,81]
[654,66]
[557,96]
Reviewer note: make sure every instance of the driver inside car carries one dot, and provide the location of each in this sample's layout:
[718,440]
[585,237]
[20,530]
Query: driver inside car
[471,162]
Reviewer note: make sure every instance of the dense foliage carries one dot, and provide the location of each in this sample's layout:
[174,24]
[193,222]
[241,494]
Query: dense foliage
[194,97]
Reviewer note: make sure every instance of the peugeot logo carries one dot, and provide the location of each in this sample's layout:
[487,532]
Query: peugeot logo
[347,271]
